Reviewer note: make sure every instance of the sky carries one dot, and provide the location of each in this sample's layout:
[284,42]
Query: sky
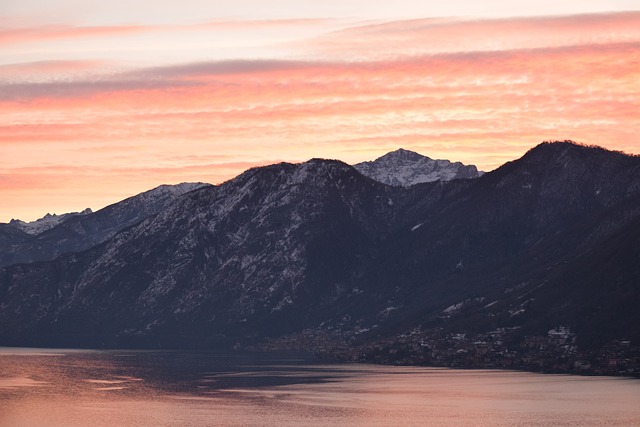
[100,101]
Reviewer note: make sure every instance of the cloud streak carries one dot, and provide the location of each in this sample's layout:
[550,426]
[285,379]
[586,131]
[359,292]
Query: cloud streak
[429,36]
[49,33]
[12,36]
[480,92]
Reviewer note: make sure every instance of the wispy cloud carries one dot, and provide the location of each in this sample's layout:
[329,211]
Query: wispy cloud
[480,92]
[220,68]
[82,89]
[49,69]
[257,24]
[55,32]
[48,33]
[429,36]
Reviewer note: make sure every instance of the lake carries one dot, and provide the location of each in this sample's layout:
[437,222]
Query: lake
[69,388]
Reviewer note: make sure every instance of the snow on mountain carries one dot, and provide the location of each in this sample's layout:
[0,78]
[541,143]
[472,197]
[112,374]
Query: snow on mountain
[405,168]
[153,196]
[175,190]
[54,235]
[45,223]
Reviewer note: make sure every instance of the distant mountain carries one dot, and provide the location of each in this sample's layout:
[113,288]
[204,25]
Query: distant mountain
[404,168]
[318,254]
[53,235]
[45,223]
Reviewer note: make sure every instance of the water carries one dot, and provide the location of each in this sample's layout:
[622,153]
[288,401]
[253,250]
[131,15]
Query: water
[69,388]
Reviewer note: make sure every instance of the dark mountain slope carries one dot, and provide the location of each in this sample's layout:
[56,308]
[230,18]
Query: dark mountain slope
[509,229]
[597,293]
[11,237]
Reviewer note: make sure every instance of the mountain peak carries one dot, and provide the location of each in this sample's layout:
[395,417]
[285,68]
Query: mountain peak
[404,168]
[402,154]
[567,145]
[568,152]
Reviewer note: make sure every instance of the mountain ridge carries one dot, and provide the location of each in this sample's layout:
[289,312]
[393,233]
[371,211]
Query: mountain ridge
[45,223]
[73,233]
[546,242]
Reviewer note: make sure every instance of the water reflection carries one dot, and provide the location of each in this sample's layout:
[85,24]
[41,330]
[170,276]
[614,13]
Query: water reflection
[16,382]
[148,388]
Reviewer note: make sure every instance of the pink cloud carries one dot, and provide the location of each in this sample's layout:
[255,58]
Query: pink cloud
[10,36]
[47,69]
[453,94]
[256,24]
[426,36]
[38,34]
[479,106]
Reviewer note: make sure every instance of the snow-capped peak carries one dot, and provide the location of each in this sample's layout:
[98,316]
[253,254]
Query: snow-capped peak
[401,155]
[45,223]
[404,168]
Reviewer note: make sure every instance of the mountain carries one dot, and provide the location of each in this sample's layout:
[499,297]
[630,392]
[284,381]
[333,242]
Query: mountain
[404,168]
[540,251]
[265,253]
[45,223]
[522,237]
[53,235]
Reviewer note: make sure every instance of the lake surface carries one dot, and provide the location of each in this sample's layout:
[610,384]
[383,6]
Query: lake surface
[69,388]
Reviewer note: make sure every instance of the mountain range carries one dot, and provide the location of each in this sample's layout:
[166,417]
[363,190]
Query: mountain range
[52,235]
[548,242]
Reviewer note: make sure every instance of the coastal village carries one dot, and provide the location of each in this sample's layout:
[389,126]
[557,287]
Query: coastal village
[502,348]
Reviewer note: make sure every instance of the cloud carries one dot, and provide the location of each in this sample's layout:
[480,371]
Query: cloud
[454,97]
[84,88]
[47,69]
[10,36]
[146,79]
[256,80]
[354,100]
[221,68]
[257,24]
[428,36]
[43,34]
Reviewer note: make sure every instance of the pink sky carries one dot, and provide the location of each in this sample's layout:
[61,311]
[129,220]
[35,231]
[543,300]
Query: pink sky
[100,104]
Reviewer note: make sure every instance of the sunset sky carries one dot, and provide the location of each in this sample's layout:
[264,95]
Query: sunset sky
[102,100]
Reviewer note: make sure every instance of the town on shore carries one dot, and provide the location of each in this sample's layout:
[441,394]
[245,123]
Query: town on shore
[503,348]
